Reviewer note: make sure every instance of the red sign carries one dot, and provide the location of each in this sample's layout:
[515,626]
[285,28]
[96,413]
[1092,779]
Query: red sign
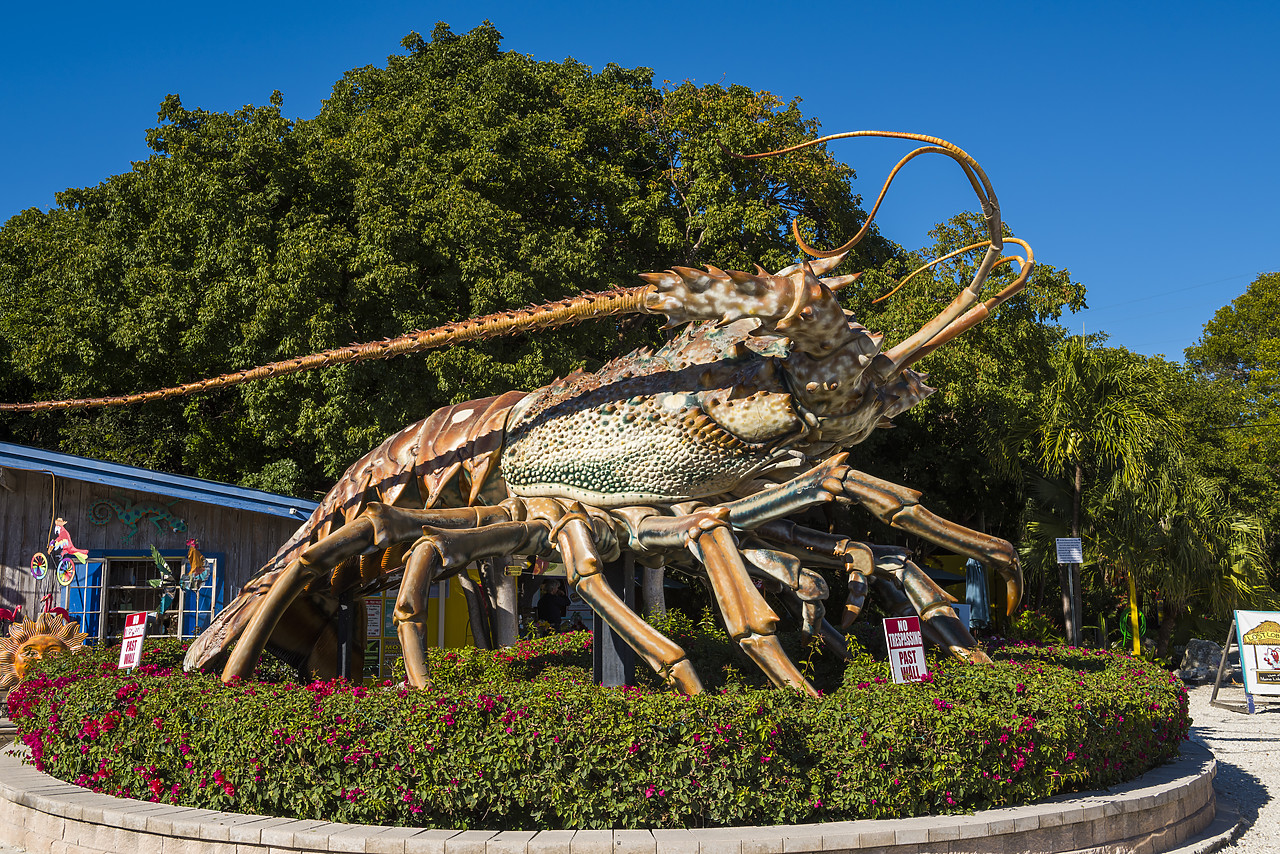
[135,629]
[906,649]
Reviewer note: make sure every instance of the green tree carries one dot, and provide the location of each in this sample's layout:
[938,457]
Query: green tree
[1098,418]
[1233,391]
[457,180]
[1137,491]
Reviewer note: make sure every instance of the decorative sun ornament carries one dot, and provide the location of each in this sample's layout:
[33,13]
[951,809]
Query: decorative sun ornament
[47,636]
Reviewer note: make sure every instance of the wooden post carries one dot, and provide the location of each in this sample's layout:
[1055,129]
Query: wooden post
[613,661]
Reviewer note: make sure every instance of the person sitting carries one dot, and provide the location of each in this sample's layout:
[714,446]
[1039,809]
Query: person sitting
[552,604]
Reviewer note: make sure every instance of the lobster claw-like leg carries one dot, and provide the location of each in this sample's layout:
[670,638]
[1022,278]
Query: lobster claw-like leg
[801,590]
[906,591]
[895,505]
[575,541]
[440,554]
[378,527]
[749,619]
[818,547]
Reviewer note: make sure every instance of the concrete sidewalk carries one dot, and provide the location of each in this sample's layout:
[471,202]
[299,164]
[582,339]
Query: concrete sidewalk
[1247,748]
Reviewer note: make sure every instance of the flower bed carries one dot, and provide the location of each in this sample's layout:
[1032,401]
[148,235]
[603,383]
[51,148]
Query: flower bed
[521,739]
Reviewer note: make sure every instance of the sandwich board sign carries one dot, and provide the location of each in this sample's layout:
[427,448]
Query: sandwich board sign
[906,649]
[135,629]
[1258,638]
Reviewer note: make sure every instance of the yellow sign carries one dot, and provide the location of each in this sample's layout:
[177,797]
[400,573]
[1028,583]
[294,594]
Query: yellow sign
[1258,634]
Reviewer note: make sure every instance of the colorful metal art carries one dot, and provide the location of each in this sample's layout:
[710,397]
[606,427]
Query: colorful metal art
[30,641]
[132,515]
[170,581]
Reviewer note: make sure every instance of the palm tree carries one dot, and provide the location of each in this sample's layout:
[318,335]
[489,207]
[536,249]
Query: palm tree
[1100,415]
[1179,536]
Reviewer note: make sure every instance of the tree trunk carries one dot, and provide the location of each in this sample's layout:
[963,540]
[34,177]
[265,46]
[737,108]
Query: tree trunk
[1168,622]
[506,620]
[655,599]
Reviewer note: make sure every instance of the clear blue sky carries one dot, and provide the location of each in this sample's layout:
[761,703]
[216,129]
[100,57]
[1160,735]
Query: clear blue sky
[1131,143]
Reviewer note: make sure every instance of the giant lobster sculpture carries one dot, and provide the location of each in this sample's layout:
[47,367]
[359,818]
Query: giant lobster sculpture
[698,456]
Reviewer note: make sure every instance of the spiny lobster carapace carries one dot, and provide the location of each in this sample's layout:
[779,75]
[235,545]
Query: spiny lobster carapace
[697,455]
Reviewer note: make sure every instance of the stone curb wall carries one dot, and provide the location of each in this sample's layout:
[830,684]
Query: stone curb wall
[1157,812]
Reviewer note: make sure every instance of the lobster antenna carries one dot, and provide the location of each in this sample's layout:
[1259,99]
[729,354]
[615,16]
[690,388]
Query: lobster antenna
[977,179]
[964,311]
[546,316]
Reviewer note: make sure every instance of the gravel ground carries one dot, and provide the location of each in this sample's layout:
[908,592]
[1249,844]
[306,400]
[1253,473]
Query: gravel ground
[1247,748]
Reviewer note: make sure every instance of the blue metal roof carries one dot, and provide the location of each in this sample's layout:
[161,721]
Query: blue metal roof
[156,482]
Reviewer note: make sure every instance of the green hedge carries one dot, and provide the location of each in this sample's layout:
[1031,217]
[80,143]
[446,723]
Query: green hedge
[521,739]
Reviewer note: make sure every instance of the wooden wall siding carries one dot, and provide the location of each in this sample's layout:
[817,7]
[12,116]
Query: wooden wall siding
[247,539]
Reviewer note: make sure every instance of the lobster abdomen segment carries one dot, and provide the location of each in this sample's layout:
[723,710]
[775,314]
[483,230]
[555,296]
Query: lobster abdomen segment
[449,457]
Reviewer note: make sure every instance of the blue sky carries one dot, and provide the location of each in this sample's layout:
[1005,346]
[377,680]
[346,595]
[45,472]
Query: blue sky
[1131,143]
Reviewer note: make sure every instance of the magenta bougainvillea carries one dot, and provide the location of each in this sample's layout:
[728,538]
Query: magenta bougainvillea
[521,739]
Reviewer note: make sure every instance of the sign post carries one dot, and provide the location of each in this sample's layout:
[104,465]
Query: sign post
[906,649]
[1070,556]
[135,629]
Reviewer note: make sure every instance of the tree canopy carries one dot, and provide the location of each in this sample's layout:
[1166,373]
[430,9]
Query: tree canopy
[459,179]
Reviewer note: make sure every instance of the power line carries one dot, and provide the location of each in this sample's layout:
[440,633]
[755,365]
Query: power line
[1164,294]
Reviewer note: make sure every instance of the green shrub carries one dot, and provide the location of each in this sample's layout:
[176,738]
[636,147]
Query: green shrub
[521,739]
[1034,627]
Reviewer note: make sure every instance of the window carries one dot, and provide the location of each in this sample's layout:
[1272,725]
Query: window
[113,584]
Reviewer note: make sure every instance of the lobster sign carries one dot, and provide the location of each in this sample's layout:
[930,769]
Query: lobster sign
[696,456]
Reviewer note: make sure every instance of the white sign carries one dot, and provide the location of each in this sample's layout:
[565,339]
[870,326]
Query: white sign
[1258,634]
[1069,550]
[906,649]
[135,629]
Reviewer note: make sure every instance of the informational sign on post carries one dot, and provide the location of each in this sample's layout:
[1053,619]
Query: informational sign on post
[1070,550]
[135,629]
[1258,635]
[906,649]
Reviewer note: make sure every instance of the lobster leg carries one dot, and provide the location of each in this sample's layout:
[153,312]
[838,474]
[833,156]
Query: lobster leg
[900,581]
[441,553]
[378,527]
[856,559]
[576,543]
[802,590]
[749,619]
[895,505]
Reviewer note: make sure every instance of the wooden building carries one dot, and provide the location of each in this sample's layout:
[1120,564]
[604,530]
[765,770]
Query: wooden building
[113,515]
[116,513]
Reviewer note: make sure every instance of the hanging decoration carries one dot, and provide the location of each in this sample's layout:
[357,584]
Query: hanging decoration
[195,568]
[65,553]
[39,566]
[170,582]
